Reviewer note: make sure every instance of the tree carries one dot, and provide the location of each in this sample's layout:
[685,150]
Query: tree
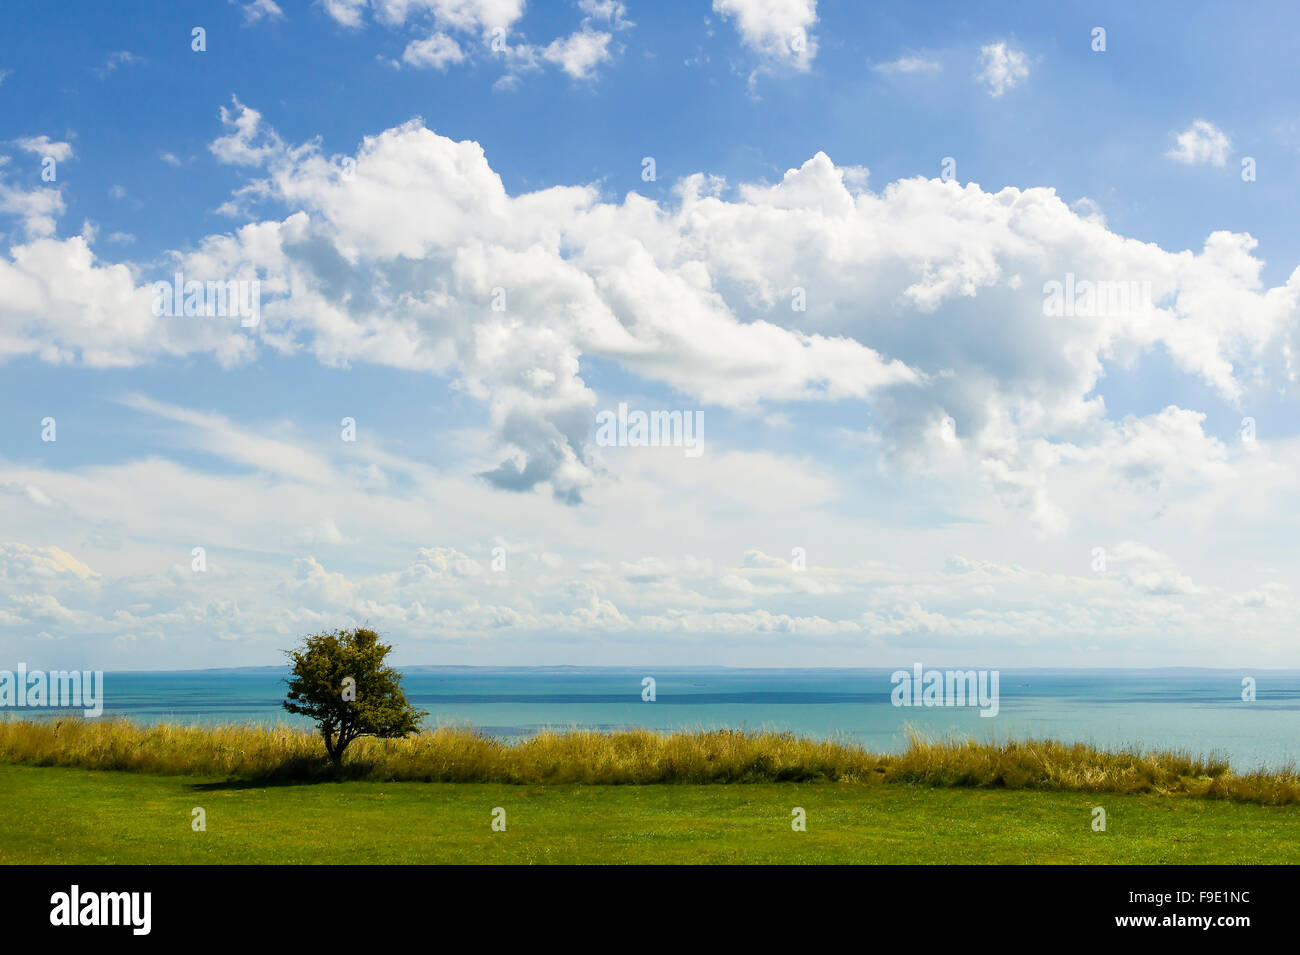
[340,681]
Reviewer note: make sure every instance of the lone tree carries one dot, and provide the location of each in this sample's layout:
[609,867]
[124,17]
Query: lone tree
[340,680]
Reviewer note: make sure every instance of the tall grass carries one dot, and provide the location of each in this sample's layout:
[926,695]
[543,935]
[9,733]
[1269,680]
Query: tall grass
[462,755]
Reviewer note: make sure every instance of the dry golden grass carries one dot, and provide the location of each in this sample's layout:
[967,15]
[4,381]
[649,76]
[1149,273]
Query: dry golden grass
[458,754]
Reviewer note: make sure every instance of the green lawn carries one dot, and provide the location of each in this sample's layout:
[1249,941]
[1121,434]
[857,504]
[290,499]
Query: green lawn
[79,816]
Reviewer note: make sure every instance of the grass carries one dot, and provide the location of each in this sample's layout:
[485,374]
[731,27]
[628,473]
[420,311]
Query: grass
[77,791]
[637,757]
[64,815]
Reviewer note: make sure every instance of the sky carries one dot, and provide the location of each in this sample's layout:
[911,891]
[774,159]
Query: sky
[979,322]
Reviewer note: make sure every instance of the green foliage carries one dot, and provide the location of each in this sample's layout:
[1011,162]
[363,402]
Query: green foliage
[340,681]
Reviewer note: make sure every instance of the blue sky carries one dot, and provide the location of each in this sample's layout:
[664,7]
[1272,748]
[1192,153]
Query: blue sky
[947,457]
[1088,125]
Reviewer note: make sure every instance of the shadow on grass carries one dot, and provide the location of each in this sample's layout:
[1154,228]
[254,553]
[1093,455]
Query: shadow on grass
[298,771]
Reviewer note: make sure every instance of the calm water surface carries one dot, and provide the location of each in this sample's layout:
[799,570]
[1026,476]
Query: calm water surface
[1197,710]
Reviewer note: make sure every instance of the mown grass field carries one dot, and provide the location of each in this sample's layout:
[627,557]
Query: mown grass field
[69,815]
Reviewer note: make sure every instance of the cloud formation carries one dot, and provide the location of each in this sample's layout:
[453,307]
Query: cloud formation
[903,324]
[777,30]
[452,32]
[1002,67]
[412,254]
[1202,143]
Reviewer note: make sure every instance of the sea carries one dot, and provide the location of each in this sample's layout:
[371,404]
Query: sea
[1199,711]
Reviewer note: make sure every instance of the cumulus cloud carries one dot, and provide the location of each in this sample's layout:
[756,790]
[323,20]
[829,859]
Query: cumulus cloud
[60,303]
[1002,67]
[348,13]
[612,12]
[1201,143]
[243,126]
[437,51]
[777,30]
[38,209]
[579,54]
[461,31]
[925,300]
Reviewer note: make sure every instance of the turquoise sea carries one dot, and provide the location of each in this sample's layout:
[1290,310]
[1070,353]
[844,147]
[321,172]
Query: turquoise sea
[1197,710]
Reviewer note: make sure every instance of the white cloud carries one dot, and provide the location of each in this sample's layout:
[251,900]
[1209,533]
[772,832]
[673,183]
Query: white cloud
[38,209]
[870,589]
[1002,67]
[348,13]
[59,303]
[694,294]
[612,12]
[756,558]
[465,15]
[579,54]
[437,51]
[1201,143]
[463,31]
[237,145]
[215,434]
[909,64]
[26,563]
[44,146]
[256,10]
[778,30]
